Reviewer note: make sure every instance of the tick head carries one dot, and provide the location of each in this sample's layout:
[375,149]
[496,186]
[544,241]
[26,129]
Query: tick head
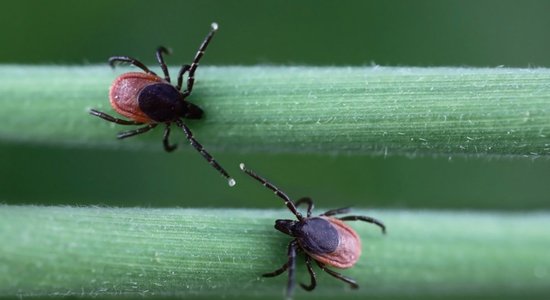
[192,111]
[286,226]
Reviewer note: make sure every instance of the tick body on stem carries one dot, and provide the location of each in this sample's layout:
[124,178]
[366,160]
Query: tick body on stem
[148,99]
[325,239]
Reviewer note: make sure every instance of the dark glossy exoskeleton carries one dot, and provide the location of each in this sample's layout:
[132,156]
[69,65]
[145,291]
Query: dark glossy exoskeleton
[325,239]
[146,98]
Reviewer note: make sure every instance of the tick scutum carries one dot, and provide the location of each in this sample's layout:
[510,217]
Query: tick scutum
[161,102]
[317,236]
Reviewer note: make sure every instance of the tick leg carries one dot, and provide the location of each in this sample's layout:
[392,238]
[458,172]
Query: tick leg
[309,203]
[204,153]
[277,272]
[182,71]
[282,269]
[130,60]
[198,56]
[161,50]
[366,219]
[312,275]
[129,133]
[337,211]
[346,279]
[165,141]
[290,265]
[110,118]
[276,190]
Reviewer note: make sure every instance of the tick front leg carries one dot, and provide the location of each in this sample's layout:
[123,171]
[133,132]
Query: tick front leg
[277,272]
[290,265]
[275,189]
[130,60]
[182,71]
[129,133]
[337,275]
[110,118]
[365,219]
[196,60]
[160,51]
[307,201]
[204,153]
[166,142]
[291,268]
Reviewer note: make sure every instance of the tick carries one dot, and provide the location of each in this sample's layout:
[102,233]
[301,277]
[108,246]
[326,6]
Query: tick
[325,239]
[148,99]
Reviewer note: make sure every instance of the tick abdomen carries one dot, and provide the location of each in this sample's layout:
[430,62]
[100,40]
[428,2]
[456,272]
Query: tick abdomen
[124,94]
[336,236]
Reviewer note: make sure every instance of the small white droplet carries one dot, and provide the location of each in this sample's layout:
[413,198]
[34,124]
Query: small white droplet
[241,165]
[231,182]
[214,26]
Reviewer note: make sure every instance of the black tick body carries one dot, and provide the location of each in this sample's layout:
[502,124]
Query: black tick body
[147,99]
[325,239]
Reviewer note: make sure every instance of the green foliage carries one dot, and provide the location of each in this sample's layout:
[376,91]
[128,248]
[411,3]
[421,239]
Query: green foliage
[99,251]
[368,110]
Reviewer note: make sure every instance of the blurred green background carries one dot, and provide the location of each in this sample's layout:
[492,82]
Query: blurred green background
[394,33]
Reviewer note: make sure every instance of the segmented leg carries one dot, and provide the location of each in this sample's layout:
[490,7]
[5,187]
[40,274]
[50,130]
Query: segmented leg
[198,56]
[110,118]
[282,269]
[337,211]
[166,142]
[276,190]
[203,152]
[130,60]
[129,133]
[366,219]
[337,275]
[312,275]
[182,71]
[307,201]
[290,265]
[160,51]
[277,272]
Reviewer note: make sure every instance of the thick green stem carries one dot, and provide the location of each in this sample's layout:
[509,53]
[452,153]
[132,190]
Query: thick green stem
[111,251]
[441,111]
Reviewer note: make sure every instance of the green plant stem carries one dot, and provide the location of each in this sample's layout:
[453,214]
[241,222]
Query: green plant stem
[376,110]
[112,251]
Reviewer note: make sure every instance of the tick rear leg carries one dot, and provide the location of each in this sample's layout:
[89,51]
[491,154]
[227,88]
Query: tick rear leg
[366,219]
[166,142]
[129,133]
[162,50]
[130,60]
[110,118]
[337,275]
[312,275]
